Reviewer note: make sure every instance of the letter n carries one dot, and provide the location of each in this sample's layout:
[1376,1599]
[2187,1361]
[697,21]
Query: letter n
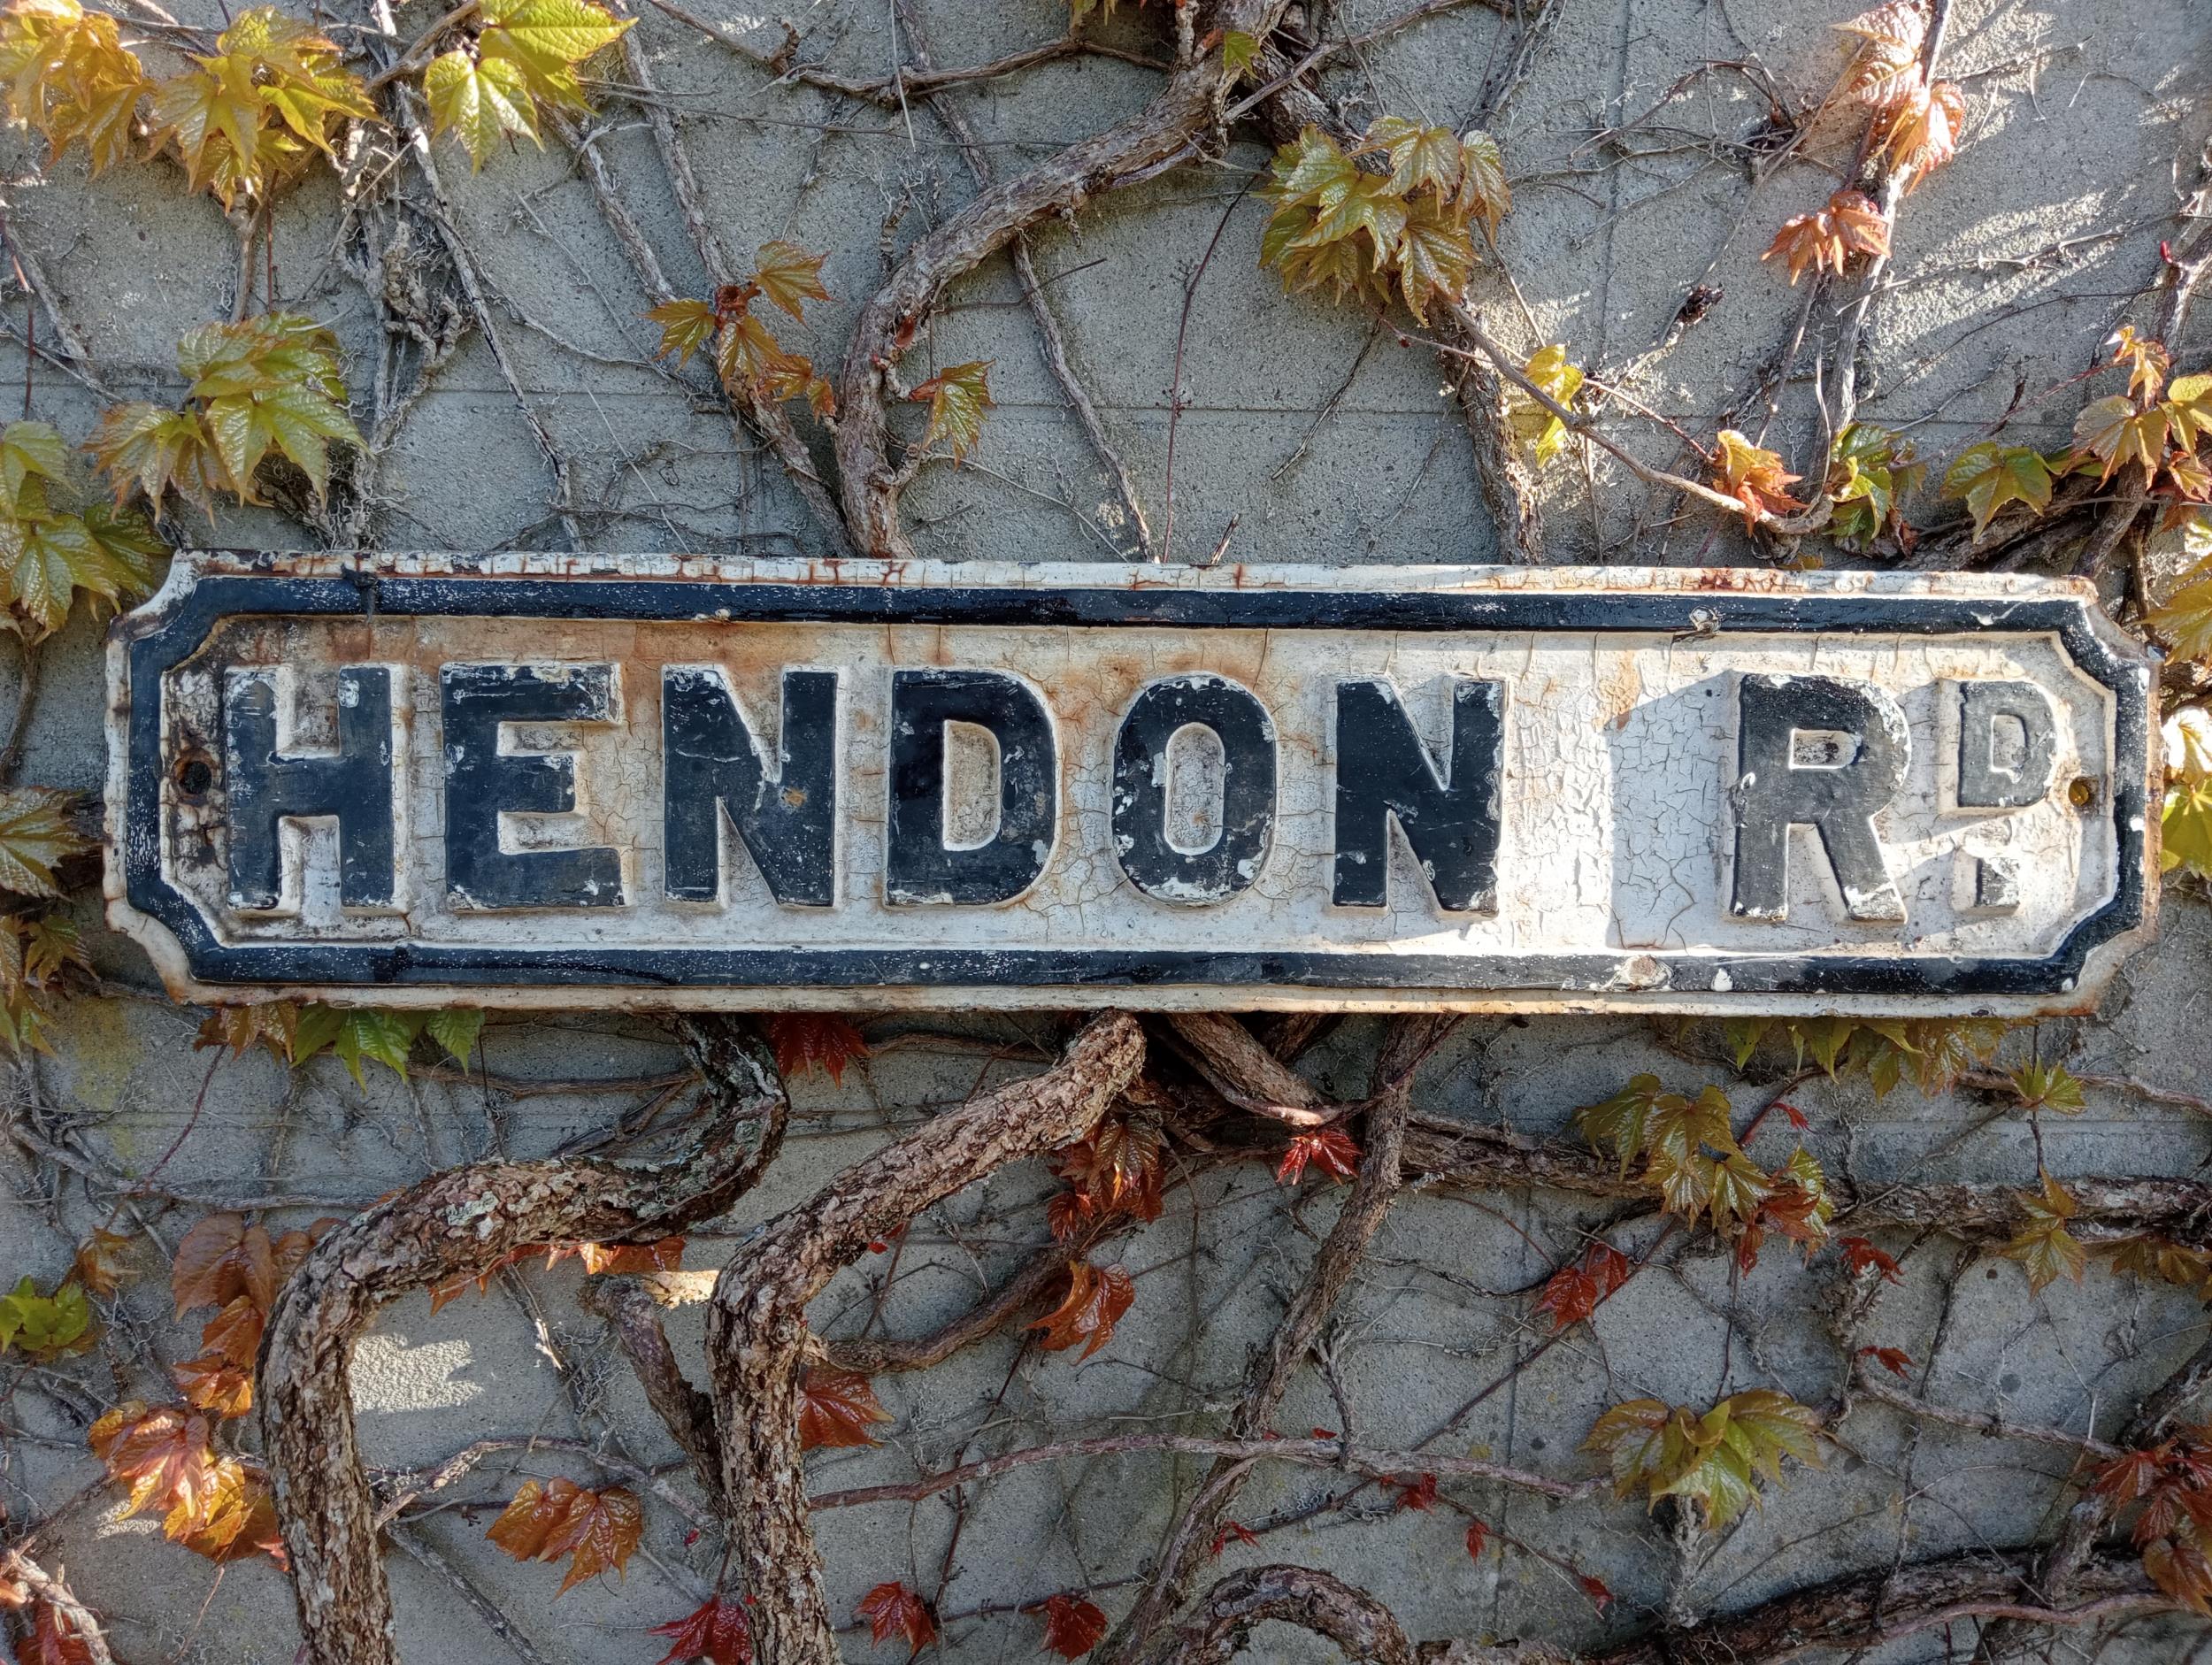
[711,766]
[1449,816]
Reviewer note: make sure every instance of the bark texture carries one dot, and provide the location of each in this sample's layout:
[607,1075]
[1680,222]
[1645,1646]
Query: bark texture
[459,1223]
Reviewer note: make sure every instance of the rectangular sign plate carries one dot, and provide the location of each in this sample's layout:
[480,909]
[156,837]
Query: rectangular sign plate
[672,781]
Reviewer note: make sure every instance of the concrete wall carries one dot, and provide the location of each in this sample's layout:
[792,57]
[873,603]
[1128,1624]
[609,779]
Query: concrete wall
[2011,266]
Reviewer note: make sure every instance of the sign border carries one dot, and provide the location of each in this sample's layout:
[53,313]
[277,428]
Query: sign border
[209,585]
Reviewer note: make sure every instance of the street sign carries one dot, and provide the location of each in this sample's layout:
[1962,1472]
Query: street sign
[661,781]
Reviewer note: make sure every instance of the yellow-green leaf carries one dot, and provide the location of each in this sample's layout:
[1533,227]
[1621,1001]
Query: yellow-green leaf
[958,396]
[37,835]
[789,276]
[547,40]
[483,100]
[2044,1245]
[1988,476]
[685,327]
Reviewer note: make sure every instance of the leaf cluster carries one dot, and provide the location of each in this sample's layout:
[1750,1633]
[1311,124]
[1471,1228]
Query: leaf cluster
[213,1503]
[753,365]
[2169,1486]
[802,1041]
[1115,1170]
[1403,227]
[39,949]
[268,385]
[521,56]
[557,1520]
[1917,122]
[1715,1459]
[54,544]
[71,79]
[1755,477]
[1870,472]
[236,1268]
[1931,1052]
[294,1033]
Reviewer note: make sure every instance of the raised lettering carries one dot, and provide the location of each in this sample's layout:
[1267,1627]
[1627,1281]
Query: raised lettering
[1450,817]
[1143,779]
[922,865]
[710,766]
[483,784]
[1818,753]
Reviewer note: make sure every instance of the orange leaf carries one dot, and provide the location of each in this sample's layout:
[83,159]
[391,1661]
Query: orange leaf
[667,1255]
[1069,1215]
[1754,478]
[53,1639]
[836,1408]
[221,1378]
[719,1632]
[1331,1150]
[102,1263]
[1072,1627]
[549,1519]
[161,1456]
[1097,1299]
[1418,1494]
[1925,132]
[237,1519]
[1861,1256]
[1117,1167]
[805,1040]
[892,1610]
[1852,224]
[1477,1539]
[1896,1361]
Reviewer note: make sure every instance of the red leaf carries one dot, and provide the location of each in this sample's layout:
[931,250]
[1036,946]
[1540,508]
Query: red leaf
[1323,1433]
[1862,1255]
[803,1040]
[1894,1360]
[1601,1597]
[1117,1169]
[1798,1118]
[836,1408]
[1477,1539]
[892,1610]
[1095,1300]
[2127,1476]
[1575,1292]
[549,1519]
[1330,1150]
[1232,1530]
[1069,1215]
[1416,1494]
[53,1639]
[719,1632]
[1072,1627]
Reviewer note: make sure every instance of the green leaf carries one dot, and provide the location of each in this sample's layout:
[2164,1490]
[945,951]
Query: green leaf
[1420,156]
[483,100]
[456,1029]
[547,40]
[1312,169]
[352,1033]
[958,396]
[1434,259]
[28,449]
[1988,476]
[43,1325]
[1239,51]
[1483,189]
[2044,1245]
[154,450]
[2048,1087]
[2186,825]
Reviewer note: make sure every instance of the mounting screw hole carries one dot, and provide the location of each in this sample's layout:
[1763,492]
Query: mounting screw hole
[195,775]
[2083,793]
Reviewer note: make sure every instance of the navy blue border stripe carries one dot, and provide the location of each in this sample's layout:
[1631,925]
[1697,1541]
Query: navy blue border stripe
[170,640]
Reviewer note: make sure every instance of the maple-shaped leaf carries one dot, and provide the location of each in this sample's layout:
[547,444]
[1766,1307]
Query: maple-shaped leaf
[1886,67]
[1852,224]
[547,41]
[1312,169]
[1739,1441]
[687,326]
[892,1610]
[47,557]
[1578,1289]
[1069,1214]
[789,276]
[2147,360]
[1073,1626]
[44,1327]
[236,1519]
[2049,1088]
[69,76]
[1368,220]
[1095,1300]
[2114,433]
[2189,409]
[223,1258]
[271,1024]
[1755,477]
[1861,1256]
[242,120]
[1421,157]
[1534,425]
[1923,134]
[2185,827]
[480,101]
[836,1409]
[717,1631]
[1330,1149]
[2184,620]
[814,1041]
[1623,1120]
[36,836]
[1988,476]
[355,1033]
[2044,1245]
[550,1519]
[957,397]
[271,382]
[2127,1477]
[2180,1567]
[1116,1167]
[1477,1539]
[1870,469]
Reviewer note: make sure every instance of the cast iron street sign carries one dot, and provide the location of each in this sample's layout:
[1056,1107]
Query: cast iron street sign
[644,780]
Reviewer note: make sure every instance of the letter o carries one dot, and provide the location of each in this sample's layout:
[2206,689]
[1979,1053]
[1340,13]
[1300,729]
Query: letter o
[1246,734]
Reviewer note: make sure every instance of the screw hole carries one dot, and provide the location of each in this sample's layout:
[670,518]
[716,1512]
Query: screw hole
[195,775]
[2083,793]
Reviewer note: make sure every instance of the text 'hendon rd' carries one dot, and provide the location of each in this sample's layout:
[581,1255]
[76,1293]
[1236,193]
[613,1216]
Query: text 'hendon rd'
[674,781]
